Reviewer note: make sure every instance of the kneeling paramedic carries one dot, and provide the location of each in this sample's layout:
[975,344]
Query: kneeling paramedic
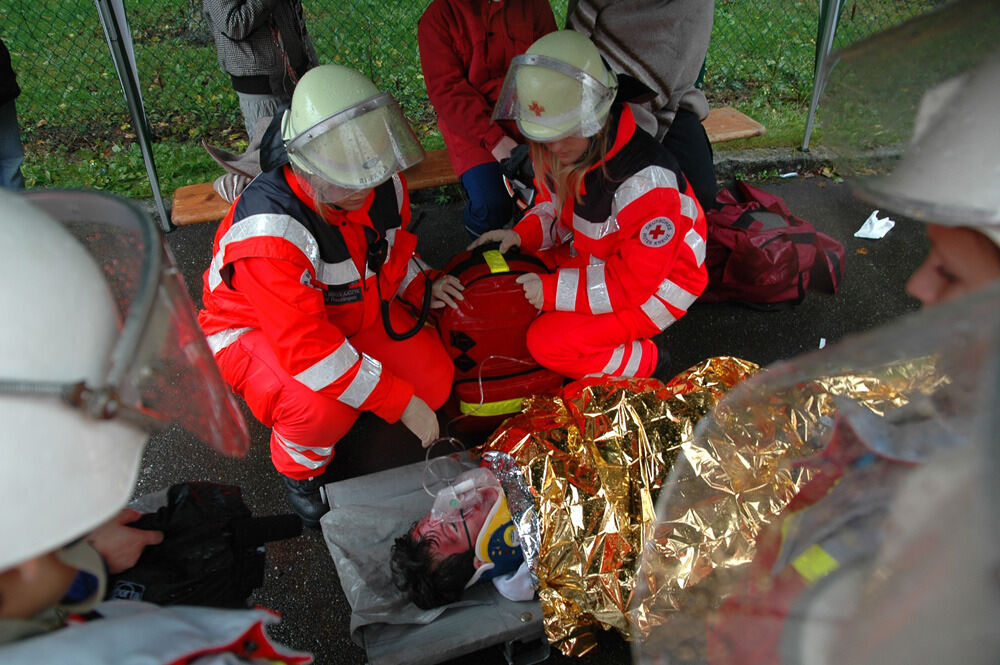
[614,216]
[310,297]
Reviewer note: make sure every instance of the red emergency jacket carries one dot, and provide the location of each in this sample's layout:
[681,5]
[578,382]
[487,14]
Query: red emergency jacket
[635,239]
[310,283]
[465,49]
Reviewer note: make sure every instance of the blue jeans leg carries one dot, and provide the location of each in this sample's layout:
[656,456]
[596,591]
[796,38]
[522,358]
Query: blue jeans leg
[489,205]
[11,150]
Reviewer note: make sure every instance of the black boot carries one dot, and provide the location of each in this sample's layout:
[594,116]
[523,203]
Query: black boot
[307,498]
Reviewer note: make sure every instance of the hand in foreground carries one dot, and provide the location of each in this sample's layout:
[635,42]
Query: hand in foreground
[502,150]
[506,237]
[121,545]
[421,420]
[445,291]
[532,285]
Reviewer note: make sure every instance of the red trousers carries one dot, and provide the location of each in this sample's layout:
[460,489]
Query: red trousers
[305,425]
[577,345]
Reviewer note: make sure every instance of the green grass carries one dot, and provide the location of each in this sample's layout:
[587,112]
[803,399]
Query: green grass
[77,131]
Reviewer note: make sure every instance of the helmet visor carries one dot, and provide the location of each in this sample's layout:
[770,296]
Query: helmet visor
[161,369]
[550,99]
[943,74]
[359,147]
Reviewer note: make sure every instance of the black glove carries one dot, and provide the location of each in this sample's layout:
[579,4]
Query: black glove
[518,166]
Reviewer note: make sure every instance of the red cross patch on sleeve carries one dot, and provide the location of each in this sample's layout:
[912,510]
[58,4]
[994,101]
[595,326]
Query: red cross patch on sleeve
[657,232]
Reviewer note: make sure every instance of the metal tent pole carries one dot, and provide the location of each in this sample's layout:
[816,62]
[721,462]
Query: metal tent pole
[116,31]
[829,16]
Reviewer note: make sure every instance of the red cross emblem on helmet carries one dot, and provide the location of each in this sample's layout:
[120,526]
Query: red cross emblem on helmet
[536,108]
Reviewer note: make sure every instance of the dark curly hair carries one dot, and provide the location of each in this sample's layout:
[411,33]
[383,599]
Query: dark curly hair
[428,584]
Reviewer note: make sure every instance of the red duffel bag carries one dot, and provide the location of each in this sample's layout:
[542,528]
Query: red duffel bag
[761,255]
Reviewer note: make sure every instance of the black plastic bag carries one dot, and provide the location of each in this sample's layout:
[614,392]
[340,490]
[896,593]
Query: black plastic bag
[212,552]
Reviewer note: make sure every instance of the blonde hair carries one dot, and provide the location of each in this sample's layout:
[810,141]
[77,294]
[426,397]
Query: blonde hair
[564,179]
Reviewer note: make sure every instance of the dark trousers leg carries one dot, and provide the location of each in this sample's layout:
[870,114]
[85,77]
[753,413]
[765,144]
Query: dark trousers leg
[689,143]
[489,206]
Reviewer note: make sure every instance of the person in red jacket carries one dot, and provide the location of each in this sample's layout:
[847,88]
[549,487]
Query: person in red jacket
[311,293]
[614,215]
[465,49]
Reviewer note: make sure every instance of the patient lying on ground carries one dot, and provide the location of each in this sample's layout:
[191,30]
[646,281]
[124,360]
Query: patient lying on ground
[467,537]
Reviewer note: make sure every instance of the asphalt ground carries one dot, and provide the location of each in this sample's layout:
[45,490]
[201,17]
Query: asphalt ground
[301,582]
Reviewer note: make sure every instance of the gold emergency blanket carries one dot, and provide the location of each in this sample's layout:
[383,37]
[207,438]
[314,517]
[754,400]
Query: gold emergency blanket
[750,458]
[594,460]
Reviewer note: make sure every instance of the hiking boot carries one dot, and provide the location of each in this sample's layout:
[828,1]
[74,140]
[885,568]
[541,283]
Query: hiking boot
[662,358]
[307,498]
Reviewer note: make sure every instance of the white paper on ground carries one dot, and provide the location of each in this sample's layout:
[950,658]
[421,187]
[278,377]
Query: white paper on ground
[875,227]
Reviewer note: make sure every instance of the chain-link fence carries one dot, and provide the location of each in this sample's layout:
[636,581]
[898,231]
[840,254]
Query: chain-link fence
[72,97]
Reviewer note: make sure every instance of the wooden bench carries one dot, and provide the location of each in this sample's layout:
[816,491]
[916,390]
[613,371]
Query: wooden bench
[199,203]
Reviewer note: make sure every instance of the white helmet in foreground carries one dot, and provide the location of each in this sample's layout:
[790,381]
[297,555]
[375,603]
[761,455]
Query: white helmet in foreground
[100,347]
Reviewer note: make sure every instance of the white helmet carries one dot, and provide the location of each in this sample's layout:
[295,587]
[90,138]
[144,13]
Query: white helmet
[342,130]
[943,74]
[559,87]
[95,354]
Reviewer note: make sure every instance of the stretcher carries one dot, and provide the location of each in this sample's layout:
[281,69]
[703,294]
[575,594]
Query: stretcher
[366,514]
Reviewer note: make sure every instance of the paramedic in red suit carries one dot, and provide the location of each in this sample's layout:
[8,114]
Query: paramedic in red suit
[304,262]
[465,49]
[613,214]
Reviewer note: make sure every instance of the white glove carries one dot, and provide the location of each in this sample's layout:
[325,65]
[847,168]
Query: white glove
[533,292]
[421,420]
[445,291]
[507,238]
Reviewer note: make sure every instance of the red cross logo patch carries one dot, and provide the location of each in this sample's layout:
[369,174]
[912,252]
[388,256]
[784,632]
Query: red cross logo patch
[536,108]
[657,232]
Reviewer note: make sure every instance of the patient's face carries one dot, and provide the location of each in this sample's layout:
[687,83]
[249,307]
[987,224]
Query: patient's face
[961,260]
[451,537]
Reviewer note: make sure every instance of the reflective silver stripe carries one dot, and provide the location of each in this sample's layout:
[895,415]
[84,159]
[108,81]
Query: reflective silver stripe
[658,313]
[411,274]
[593,230]
[215,272]
[675,295]
[294,451]
[223,338]
[547,213]
[697,245]
[597,290]
[641,184]
[337,274]
[413,268]
[329,369]
[364,382]
[616,360]
[265,225]
[634,359]
[689,208]
[569,280]
[398,184]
